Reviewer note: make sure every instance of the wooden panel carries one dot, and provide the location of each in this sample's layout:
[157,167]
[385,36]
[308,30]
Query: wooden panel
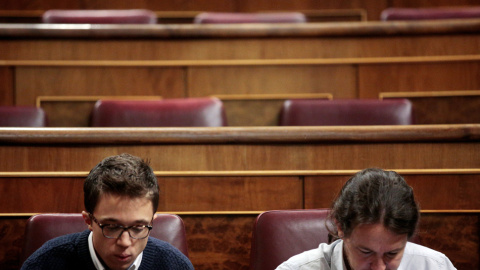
[446,110]
[37,195]
[230,149]
[12,238]
[224,43]
[450,192]
[455,235]
[7,97]
[68,114]
[219,241]
[32,82]
[337,80]
[374,79]
[234,193]
[230,193]
[252,112]
[248,157]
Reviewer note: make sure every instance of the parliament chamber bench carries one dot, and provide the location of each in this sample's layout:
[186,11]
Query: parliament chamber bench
[188,17]
[429,107]
[345,60]
[24,8]
[219,179]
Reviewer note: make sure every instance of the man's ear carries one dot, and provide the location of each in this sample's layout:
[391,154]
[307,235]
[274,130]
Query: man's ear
[88,220]
[340,232]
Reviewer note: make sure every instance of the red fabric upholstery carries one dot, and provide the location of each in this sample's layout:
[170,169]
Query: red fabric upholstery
[311,112]
[130,16]
[273,17]
[190,112]
[278,235]
[392,14]
[18,116]
[281,234]
[43,227]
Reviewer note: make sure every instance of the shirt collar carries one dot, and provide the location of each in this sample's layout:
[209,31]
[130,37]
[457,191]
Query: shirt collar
[98,264]
[337,255]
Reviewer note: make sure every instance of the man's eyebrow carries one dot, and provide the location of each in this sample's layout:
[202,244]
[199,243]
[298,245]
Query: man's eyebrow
[108,220]
[116,221]
[395,250]
[364,248]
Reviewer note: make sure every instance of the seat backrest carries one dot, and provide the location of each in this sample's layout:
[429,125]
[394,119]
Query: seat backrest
[22,116]
[315,112]
[120,16]
[436,13]
[232,17]
[278,235]
[188,112]
[43,227]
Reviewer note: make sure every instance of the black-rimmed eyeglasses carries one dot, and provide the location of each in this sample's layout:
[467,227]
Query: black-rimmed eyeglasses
[114,231]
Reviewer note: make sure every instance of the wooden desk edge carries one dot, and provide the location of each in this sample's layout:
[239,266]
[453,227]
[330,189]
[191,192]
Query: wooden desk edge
[241,135]
[222,31]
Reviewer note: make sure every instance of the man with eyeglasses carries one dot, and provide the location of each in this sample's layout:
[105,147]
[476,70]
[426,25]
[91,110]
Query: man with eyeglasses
[121,197]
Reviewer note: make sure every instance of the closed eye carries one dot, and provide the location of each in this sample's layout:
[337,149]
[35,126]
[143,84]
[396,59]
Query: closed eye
[392,254]
[366,252]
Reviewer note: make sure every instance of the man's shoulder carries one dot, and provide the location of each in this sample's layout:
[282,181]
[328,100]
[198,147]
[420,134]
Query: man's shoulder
[64,242]
[428,258]
[163,253]
[57,251]
[318,258]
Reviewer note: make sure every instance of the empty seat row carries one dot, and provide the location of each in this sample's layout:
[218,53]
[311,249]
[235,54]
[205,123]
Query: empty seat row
[434,13]
[142,16]
[210,112]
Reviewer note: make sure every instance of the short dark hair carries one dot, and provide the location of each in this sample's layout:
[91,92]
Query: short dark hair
[123,175]
[375,196]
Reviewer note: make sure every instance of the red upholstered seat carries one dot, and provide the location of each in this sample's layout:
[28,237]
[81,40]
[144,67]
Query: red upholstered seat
[281,234]
[278,235]
[271,17]
[314,112]
[43,227]
[127,16]
[22,116]
[392,14]
[189,112]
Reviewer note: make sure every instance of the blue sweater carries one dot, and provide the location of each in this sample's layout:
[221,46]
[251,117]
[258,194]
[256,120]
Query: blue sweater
[71,252]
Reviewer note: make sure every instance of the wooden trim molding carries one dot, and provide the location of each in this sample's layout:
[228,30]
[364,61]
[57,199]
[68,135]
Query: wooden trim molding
[459,93]
[249,173]
[41,99]
[241,62]
[274,96]
[242,135]
[243,213]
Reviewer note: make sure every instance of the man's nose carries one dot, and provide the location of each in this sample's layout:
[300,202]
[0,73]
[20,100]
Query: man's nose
[378,264]
[124,240]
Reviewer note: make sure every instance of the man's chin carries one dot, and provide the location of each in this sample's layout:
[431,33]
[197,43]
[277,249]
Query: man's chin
[120,262]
